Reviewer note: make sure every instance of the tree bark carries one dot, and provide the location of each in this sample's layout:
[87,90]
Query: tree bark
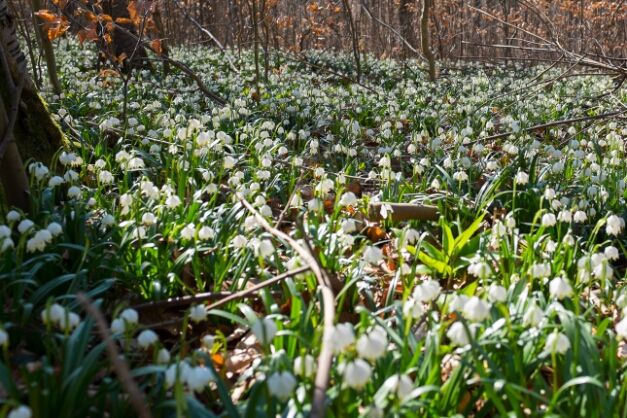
[424,32]
[35,133]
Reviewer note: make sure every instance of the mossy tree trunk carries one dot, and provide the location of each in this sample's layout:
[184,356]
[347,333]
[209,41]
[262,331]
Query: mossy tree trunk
[36,135]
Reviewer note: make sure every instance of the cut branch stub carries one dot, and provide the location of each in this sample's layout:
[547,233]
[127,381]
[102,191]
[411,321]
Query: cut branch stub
[403,212]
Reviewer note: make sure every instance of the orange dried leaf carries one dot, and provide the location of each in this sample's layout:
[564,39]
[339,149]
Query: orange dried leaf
[123,20]
[376,234]
[156,45]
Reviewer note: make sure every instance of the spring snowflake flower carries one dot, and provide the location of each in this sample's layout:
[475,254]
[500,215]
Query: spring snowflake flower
[357,373]
[565,216]
[373,343]
[199,378]
[621,329]
[460,176]
[13,216]
[178,371]
[264,329]
[557,342]
[348,199]
[522,178]
[198,313]
[208,341]
[147,338]
[497,293]
[105,177]
[39,241]
[39,169]
[348,226]
[25,225]
[4,338]
[560,288]
[172,201]
[229,162]
[548,220]
[281,385]
[149,218]
[458,334]
[118,326]
[240,241]
[305,366]
[188,232]
[611,253]
[55,229]
[7,243]
[340,337]
[206,233]
[21,411]
[413,308]
[372,254]
[614,225]
[400,385]
[427,291]
[163,356]
[476,310]
[533,316]
[481,269]
[55,181]
[315,205]
[457,303]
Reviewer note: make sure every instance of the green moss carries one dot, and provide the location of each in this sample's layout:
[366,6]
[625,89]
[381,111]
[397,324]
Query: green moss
[36,134]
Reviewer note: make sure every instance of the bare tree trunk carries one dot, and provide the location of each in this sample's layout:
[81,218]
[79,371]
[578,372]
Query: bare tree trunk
[353,33]
[46,46]
[424,33]
[405,15]
[26,132]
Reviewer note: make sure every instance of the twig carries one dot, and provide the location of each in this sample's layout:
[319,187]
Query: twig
[321,381]
[224,297]
[403,212]
[120,367]
[208,33]
[548,125]
[289,200]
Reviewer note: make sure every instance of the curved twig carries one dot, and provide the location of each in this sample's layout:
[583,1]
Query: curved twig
[325,358]
[120,367]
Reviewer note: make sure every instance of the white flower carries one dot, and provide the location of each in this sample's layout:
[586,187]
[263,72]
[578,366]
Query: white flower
[339,337]
[175,372]
[54,228]
[4,338]
[481,269]
[560,288]
[305,366]
[460,176]
[13,216]
[497,293]
[427,291]
[348,199]
[612,253]
[580,216]
[172,201]
[458,335]
[229,162]
[413,308]
[476,309]
[315,205]
[149,218]
[147,338]
[373,343]
[55,181]
[281,385]
[118,326]
[357,373]
[239,241]
[105,177]
[348,226]
[565,216]
[74,191]
[206,233]
[264,329]
[614,225]
[399,385]
[621,329]
[163,357]
[557,342]
[21,411]
[372,254]
[25,225]
[533,316]
[548,219]
[208,341]
[265,211]
[6,244]
[130,315]
[522,178]
[199,378]
[188,232]
[52,314]
[458,303]
[5,231]
[198,313]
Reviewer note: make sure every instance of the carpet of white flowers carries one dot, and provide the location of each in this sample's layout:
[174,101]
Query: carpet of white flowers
[511,304]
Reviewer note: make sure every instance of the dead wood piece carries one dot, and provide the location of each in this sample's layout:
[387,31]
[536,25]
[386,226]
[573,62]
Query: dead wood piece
[403,212]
